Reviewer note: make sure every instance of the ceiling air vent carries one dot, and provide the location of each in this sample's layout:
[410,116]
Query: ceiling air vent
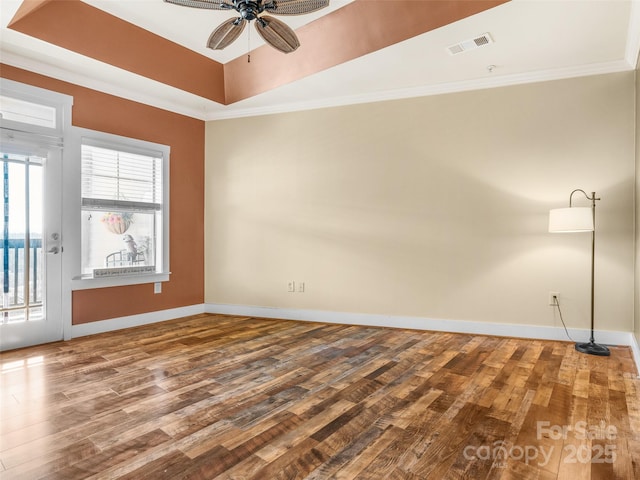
[471,44]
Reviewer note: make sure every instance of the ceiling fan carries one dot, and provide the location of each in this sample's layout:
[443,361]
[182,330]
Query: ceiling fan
[273,31]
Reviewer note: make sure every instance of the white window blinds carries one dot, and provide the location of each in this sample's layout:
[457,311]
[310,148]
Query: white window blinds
[121,180]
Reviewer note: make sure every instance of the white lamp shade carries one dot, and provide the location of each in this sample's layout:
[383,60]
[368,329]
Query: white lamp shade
[572,219]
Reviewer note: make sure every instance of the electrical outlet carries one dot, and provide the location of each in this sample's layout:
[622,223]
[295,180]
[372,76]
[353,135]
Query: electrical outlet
[157,287]
[301,287]
[552,300]
[291,286]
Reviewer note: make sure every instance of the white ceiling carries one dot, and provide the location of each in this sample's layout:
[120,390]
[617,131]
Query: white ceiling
[534,40]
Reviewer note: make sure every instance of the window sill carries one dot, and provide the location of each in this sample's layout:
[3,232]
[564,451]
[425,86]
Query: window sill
[88,282]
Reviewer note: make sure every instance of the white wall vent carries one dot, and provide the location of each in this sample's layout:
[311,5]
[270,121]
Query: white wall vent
[471,44]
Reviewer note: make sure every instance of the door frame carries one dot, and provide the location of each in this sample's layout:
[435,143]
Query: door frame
[60,132]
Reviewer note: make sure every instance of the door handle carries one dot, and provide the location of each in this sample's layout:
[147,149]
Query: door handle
[56,249]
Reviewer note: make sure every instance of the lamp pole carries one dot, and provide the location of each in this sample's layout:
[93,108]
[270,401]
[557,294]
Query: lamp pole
[591,347]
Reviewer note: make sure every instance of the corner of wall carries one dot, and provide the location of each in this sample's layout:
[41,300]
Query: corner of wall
[636,316]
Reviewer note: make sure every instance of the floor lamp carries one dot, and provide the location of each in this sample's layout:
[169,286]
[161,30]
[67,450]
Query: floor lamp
[580,219]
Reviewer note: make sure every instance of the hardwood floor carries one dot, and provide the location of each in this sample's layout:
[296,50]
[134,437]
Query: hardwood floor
[227,397]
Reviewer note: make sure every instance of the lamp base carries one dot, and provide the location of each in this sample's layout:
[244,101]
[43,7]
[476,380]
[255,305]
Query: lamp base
[593,348]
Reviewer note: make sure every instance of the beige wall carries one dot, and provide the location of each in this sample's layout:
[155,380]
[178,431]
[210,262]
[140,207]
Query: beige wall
[637,284]
[433,207]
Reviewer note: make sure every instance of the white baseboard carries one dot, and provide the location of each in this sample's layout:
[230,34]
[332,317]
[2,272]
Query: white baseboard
[134,320]
[636,352]
[606,337]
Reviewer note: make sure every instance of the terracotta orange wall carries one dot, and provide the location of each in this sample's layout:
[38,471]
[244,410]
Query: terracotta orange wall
[185,136]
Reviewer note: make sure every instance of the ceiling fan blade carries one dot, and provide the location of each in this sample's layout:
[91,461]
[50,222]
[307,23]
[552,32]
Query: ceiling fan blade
[277,34]
[294,7]
[226,33]
[208,4]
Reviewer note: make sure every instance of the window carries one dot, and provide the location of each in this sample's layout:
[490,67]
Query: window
[124,221]
[22,111]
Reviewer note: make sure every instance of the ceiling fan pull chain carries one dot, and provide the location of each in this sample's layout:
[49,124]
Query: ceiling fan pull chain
[249,47]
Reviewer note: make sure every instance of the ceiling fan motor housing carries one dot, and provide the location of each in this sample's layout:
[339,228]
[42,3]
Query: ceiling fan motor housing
[249,10]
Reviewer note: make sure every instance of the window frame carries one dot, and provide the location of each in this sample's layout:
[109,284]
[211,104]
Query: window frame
[60,103]
[74,178]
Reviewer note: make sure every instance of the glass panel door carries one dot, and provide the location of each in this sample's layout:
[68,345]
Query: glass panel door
[30,311]
[21,247]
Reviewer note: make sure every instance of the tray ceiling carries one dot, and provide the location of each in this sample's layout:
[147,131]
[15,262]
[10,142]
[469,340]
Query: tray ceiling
[352,52]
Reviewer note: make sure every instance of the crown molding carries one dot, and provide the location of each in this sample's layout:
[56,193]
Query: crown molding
[428,90]
[633,35]
[158,100]
[202,109]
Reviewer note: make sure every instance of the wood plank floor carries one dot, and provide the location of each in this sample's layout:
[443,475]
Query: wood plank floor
[227,397]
